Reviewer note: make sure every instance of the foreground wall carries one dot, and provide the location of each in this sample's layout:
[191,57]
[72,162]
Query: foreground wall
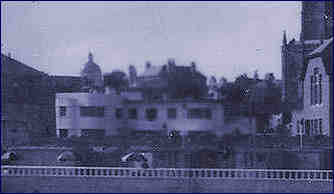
[96,179]
[104,185]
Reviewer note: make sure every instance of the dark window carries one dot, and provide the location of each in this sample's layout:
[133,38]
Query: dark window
[151,114]
[172,113]
[95,133]
[311,127]
[119,113]
[298,129]
[199,113]
[320,126]
[320,88]
[316,126]
[316,87]
[315,92]
[63,133]
[311,90]
[62,111]
[132,112]
[91,111]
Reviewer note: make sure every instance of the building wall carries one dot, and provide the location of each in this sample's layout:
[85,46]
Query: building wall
[75,123]
[27,101]
[292,63]
[309,111]
[182,123]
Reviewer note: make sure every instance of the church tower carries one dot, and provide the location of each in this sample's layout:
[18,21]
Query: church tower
[313,20]
[316,26]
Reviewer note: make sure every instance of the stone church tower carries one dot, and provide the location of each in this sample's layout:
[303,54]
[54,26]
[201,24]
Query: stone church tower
[316,26]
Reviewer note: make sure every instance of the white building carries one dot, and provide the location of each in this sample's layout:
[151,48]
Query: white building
[97,113]
[86,114]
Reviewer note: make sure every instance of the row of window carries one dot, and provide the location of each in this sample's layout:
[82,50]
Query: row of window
[151,114]
[98,133]
[85,111]
[316,87]
[310,127]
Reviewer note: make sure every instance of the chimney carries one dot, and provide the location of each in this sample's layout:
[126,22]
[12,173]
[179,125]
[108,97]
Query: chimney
[170,64]
[148,65]
[193,67]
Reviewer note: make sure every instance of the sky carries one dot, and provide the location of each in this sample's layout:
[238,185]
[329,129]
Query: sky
[225,39]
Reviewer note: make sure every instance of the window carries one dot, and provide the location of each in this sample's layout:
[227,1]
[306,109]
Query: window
[91,111]
[298,129]
[199,113]
[171,113]
[320,126]
[316,126]
[315,92]
[311,127]
[132,112]
[95,133]
[316,87]
[311,96]
[151,114]
[320,88]
[62,111]
[119,113]
[63,133]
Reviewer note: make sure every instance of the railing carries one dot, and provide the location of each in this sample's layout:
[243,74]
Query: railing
[263,174]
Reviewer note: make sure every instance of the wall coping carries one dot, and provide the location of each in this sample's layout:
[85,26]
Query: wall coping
[205,173]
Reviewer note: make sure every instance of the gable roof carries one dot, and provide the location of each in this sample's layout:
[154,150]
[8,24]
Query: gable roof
[321,48]
[325,52]
[14,67]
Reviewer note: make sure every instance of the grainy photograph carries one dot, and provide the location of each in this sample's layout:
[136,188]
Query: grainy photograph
[171,97]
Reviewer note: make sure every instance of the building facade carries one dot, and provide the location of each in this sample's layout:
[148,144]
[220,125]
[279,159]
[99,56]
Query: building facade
[316,116]
[86,114]
[27,103]
[94,112]
[170,81]
[316,26]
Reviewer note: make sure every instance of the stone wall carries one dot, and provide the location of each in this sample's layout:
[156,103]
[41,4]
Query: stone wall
[30,184]
[318,111]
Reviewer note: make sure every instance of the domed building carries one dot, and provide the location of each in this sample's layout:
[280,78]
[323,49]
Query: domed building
[91,76]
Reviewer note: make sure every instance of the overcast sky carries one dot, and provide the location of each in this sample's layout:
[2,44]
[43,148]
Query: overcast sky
[223,38]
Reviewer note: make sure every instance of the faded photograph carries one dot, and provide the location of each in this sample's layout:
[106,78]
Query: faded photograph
[147,97]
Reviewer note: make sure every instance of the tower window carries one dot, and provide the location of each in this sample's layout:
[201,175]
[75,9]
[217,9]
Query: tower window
[320,126]
[311,96]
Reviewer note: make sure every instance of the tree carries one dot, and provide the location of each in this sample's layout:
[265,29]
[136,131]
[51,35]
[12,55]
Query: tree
[222,82]
[117,80]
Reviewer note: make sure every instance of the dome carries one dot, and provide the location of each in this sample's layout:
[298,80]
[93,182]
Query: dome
[91,74]
[90,67]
